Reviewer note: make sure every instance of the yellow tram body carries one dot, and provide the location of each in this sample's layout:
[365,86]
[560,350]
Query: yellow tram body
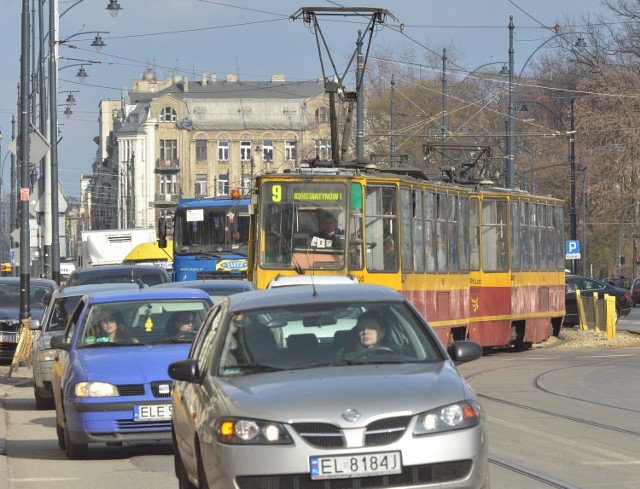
[458,252]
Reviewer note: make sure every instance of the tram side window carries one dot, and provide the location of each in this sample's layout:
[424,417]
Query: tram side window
[516,254]
[452,234]
[407,203]
[463,216]
[418,233]
[474,234]
[558,227]
[533,236]
[551,238]
[524,237]
[495,257]
[430,231]
[381,224]
[441,233]
[542,237]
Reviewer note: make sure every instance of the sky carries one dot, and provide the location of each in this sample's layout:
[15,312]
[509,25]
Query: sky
[251,38]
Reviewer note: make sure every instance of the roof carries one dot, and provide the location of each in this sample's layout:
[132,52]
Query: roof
[151,293]
[305,294]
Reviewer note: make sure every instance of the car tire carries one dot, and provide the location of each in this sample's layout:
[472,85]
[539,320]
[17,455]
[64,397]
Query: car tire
[42,402]
[60,434]
[183,478]
[202,476]
[75,451]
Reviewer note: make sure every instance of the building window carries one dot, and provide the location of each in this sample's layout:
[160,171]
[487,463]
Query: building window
[168,114]
[169,149]
[246,183]
[321,115]
[290,150]
[201,150]
[201,185]
[223,150]
[223,184]
[322,149]
[267,150]
[168,185]
[245,150]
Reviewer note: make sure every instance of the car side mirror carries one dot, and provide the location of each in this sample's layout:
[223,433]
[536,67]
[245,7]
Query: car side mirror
[465,351]
[34,325]
[58,342]
[186,370]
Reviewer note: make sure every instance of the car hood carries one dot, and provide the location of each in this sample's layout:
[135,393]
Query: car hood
[130,364]
[370,389]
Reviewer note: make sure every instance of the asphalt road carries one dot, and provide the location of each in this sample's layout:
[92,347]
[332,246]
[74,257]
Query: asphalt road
[564,418]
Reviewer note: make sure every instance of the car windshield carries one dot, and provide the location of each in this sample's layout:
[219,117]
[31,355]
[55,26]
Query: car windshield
[60,312]
[144,322]
[10,295]
[308,336]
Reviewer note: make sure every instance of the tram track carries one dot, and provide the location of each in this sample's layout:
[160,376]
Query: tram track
[531,474]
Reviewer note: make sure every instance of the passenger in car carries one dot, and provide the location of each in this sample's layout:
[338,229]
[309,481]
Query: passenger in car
[112,330]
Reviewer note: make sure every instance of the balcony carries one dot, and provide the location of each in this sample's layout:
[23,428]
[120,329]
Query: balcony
[166,200]
[167,166]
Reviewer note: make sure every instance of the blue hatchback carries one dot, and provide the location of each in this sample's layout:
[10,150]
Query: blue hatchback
[109,379]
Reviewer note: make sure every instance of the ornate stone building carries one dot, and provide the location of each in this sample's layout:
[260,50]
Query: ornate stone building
[180,138]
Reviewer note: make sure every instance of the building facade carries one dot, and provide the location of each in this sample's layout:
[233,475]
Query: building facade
[179,138]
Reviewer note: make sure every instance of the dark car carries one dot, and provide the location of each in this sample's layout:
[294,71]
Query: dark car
[325,386]
[634,292]
[39,288]
[587,286]
[216,288]
[147,275]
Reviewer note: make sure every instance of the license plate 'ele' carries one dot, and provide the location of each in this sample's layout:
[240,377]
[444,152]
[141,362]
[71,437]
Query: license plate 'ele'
[152,412]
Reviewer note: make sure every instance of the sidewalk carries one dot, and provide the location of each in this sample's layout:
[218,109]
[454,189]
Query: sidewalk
[22,377]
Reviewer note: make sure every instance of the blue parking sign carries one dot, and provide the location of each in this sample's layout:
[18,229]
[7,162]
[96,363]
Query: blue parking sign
[572,249]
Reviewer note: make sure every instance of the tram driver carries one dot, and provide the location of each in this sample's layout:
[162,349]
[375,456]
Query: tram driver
[328,237]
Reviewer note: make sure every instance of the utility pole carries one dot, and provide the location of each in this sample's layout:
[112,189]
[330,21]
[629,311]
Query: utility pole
[572,196]
[393,146]
[445,125]
[511,122]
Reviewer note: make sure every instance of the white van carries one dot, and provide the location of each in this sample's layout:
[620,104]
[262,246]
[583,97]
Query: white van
[291,280]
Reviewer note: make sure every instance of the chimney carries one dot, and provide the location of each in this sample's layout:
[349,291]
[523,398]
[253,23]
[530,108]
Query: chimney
[232,77]
[213,78]
[185,84]
[204,79]
[277,78]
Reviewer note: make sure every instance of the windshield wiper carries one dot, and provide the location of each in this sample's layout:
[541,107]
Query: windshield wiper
[254,368]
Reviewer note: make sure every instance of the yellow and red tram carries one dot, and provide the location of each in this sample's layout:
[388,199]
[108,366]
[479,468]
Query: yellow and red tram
[480,263]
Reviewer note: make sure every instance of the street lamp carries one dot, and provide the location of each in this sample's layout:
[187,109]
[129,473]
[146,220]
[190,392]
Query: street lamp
[51,177]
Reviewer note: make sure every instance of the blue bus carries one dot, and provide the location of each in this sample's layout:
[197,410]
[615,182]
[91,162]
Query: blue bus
[210,238]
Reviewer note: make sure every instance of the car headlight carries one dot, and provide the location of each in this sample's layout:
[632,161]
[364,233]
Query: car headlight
[46,355]
[95,389]
[453,417]
[242,431]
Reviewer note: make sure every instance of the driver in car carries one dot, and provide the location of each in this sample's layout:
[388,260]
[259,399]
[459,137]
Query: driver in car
[369,332]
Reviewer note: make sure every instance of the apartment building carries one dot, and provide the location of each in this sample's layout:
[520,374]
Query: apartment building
[176,138]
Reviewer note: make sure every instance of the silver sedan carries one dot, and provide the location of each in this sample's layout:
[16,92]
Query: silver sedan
[330,386]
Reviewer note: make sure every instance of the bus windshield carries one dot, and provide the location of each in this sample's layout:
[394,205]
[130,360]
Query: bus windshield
[303,224]
[211,230]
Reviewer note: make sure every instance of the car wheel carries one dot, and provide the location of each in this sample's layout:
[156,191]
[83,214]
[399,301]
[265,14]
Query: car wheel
[183,479]
[60,433]
[42,402]
[202,476]
[75,451]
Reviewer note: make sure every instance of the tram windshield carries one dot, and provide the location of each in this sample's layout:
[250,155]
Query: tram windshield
[211,230]
[303,224]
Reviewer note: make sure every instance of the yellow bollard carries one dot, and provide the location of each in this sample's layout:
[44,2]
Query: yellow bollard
[610,305]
